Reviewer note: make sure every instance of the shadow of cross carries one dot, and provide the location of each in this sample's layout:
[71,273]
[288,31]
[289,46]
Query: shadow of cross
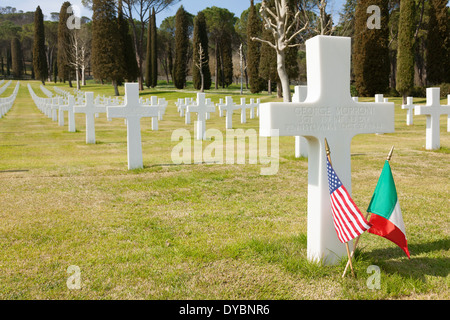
[133,111]
[89,109]
[328,112]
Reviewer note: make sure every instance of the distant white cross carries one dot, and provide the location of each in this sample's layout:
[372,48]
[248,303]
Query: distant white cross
[328,112]
[409,106]
[433,110]
[70,114]
[133,111]
[229,108]
[201,108]
[89,109]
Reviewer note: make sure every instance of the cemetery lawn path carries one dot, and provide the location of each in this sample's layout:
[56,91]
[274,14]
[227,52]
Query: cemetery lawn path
[203,231]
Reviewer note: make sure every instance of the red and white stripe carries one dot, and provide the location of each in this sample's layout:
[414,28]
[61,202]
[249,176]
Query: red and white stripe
[348,219]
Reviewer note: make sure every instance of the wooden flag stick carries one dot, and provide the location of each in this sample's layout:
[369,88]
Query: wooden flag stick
[327,148]
[388,158]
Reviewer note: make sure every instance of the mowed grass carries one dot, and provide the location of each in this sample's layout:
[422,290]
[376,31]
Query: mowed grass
[201,231]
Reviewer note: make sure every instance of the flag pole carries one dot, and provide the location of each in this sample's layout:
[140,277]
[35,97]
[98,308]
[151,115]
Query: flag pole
[388,158]
[327,149]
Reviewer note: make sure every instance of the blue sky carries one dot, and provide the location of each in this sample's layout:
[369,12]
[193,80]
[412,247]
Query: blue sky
[192,6]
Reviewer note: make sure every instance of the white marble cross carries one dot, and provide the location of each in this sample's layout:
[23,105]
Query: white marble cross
[60,113]
[229,108]
[301,145]
[243,107]
[70,114]
[187,116]
[409,106]
[133,111]
[201,107]
[328,112]
[54,108]
[253,105]
[89,109]
[433,110]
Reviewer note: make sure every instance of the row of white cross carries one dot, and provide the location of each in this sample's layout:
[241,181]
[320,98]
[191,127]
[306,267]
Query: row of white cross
[228,107]
[2,89]
[7,103]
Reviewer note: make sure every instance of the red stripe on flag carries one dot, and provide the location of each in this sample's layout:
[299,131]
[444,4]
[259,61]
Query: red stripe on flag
[348,220]
[386,229]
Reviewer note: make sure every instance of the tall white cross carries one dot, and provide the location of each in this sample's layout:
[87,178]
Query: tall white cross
[70,114]
[229,108]
[89,109]
[328,112]
[409,106]
[132,111]
[301,146]
[201,107]
[433,110]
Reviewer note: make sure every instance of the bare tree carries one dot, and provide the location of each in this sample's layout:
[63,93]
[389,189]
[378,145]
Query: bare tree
[200,63]
[278,23]
[79,53]
[316,8]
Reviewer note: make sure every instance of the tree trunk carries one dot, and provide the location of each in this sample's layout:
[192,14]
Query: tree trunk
[83,77]
[269,87]
[284,78]
[77,75]
[116,89]
[217,65]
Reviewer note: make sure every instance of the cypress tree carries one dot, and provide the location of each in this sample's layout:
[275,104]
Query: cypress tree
[405,51]
[254,26]
[154,53]
[55,70]
[227,60]
[107,56]
[370,50]
[181,48]
[268,62]
[16,55]
[438,45]
[201,37]
[148,56]
[39,57]
[8,61]
[129,67]
[63,55]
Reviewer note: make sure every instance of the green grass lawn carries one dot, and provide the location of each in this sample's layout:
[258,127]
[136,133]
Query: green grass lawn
[201,231]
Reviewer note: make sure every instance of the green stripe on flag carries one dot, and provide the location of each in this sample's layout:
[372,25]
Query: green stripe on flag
[384,197]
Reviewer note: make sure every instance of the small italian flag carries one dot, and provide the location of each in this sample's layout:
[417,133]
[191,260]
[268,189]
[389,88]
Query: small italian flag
[386,218]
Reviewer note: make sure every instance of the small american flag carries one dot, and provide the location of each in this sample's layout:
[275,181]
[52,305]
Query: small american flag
[348,220]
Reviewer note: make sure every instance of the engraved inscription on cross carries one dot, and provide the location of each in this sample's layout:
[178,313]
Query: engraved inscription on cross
[328,112]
